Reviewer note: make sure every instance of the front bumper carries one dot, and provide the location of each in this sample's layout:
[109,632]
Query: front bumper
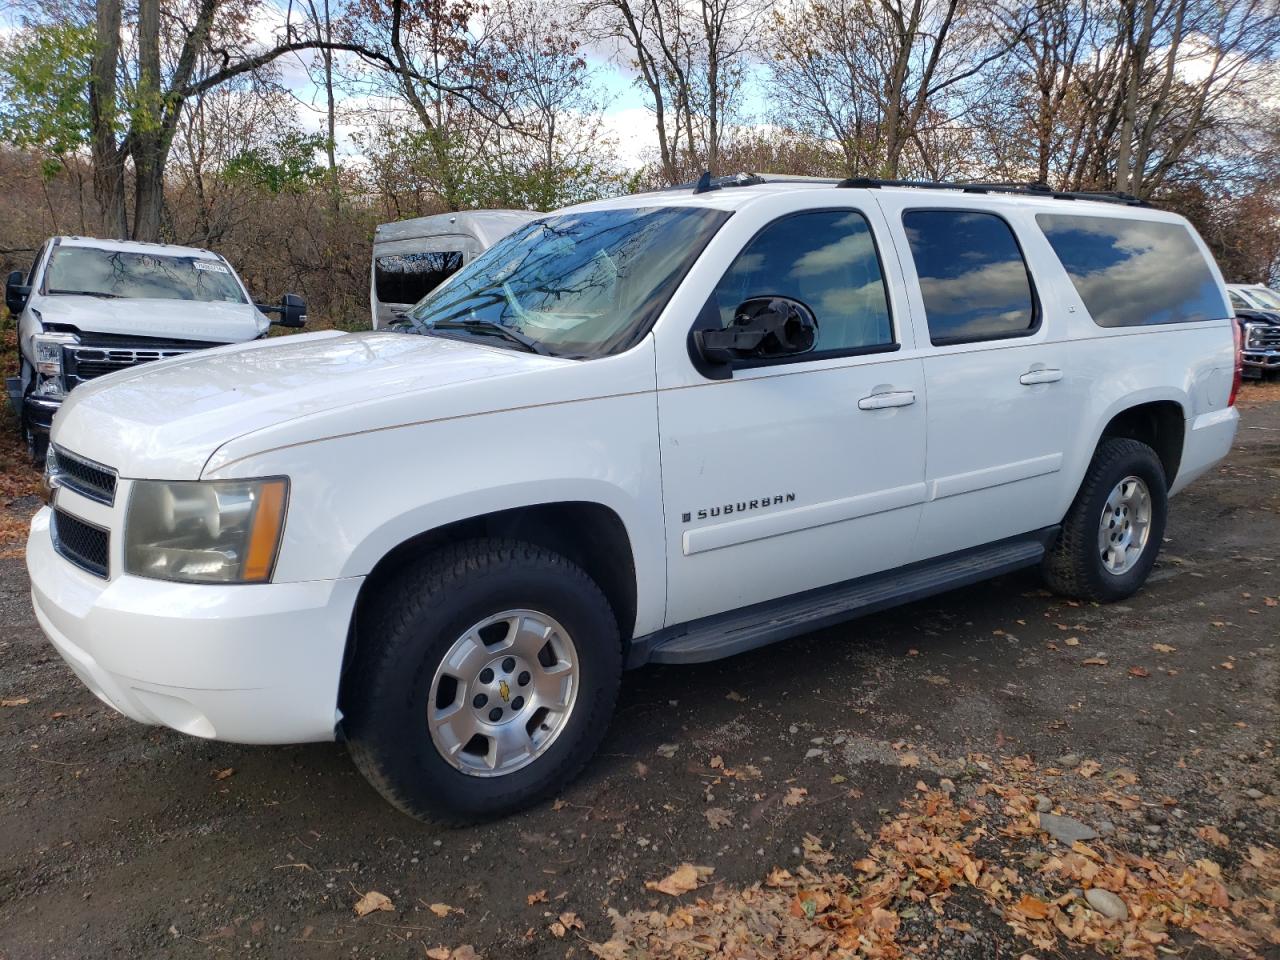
[37,413]
[1261,359]
[256,663]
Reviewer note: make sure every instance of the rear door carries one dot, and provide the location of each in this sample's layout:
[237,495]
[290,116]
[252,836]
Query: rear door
[995,366]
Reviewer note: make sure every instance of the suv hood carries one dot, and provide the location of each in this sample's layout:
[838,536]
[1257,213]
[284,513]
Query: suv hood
[164,420]
[170,319]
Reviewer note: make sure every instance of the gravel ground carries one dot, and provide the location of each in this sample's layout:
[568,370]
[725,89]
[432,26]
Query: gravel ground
[118,840]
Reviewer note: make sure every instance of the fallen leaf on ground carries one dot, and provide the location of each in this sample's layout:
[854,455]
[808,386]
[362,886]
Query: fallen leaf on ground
[1072,641]
[1211,834]
[563,924]
[372,901]
[1032,907]
[735,696]
[815,852]
[539,897]
[668,750]
[684,879]
[15,702]
[441,909]
[717,817]
[1162,648]
[223,774]
[1138,672]
[1095,661]
[908,760]
[795,796]
[1088,768]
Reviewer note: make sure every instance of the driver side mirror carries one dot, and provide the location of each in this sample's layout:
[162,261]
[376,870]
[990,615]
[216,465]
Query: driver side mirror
[292,310]
[16,293]
[763,328]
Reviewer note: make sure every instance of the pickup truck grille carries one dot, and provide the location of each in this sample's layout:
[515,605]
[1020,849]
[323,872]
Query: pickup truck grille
[85,477]
[99,354]
[1263,337]
[85,545]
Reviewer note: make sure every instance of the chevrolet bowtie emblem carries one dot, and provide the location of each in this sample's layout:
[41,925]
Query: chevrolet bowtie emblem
[504,690]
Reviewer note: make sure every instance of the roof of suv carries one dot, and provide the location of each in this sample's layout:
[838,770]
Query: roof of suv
[137,246]
[735,193]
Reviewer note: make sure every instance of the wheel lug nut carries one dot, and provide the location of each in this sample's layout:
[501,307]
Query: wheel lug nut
[524,678]
[508,664]
[479,701]
[517,703]
[495,714]
[486,675]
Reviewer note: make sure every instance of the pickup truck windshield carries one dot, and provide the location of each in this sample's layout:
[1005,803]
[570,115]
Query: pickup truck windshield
[575,285]
[91,272]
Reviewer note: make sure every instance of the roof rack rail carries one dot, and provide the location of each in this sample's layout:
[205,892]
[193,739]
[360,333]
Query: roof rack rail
[707,183]
[1022,189]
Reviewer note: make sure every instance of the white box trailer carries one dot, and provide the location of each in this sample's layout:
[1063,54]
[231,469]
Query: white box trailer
[413,257]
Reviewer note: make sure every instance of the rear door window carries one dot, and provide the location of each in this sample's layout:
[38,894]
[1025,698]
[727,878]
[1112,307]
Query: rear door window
[973,279]
[408,277]
[1131,273]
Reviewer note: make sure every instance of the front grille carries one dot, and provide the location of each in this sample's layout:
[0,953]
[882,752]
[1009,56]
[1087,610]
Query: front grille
[82,543]
[99,354]
[85,477]
[1263,337]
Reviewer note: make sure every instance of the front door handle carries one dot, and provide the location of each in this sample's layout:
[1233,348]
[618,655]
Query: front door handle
[1043,375]
[882,401]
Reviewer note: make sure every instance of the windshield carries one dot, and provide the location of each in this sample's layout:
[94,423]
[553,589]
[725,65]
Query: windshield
[575,285]
[1265,297]
[140,276]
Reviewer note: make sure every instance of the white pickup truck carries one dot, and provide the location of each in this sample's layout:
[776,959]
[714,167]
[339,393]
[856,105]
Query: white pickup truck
[661,428]
[88,307]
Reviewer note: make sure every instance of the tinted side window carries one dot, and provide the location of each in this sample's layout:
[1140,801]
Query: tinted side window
[408,277]
[1134,272]
[973,279]
[825,259]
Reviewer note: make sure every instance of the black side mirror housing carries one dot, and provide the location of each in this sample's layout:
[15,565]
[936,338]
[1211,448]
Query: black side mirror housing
[292,311]
[16,293]
[763,328]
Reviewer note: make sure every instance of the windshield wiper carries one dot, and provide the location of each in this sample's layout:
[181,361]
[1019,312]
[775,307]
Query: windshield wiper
[529,344]
[86,293]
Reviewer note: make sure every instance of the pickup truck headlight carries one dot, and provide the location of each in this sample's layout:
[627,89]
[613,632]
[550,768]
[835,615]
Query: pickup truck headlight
[48,352]
[205,531]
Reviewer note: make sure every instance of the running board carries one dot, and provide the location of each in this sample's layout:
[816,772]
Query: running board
[738,631]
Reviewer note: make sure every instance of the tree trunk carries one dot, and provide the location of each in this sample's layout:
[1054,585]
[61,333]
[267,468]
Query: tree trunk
[331,148]
[108,155]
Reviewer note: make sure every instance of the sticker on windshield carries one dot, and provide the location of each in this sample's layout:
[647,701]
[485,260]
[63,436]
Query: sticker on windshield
[211,265]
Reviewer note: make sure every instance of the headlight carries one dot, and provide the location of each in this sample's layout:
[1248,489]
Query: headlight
[217,531]
[1253,334]
[48,352]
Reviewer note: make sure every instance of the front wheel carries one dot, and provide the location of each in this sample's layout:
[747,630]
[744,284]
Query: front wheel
[483,681]
[1112,533]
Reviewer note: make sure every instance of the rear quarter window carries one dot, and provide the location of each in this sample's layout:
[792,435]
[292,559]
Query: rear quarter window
[1133,273]
[408,277]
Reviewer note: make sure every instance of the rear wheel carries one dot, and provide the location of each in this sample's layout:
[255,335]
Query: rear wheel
[1112,533]
[484,680]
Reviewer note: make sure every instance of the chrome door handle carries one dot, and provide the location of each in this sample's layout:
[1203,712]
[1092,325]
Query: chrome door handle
[882,401]
[1032,377]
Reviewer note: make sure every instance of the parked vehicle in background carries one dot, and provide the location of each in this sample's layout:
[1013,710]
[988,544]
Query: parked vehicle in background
[1257,310]
[91,307]
[413,257]
[664,428]
[1257,295]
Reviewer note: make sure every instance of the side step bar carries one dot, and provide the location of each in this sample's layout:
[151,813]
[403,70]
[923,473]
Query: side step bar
[738,631]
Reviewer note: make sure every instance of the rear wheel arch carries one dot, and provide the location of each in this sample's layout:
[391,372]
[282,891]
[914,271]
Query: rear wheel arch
[1160,424]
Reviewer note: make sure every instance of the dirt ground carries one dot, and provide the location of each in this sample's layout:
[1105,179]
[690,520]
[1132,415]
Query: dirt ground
[118,840]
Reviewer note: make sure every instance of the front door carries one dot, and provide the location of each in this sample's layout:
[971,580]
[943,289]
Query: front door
[803,471]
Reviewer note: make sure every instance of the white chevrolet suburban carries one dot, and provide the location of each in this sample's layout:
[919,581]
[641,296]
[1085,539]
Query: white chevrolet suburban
[665,428]
[88,307]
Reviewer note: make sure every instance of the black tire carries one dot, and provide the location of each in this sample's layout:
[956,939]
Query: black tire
[1073,567]
[407,629]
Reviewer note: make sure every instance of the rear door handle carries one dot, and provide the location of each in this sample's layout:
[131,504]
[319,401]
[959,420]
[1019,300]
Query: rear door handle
[1032,377]
[882,401]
